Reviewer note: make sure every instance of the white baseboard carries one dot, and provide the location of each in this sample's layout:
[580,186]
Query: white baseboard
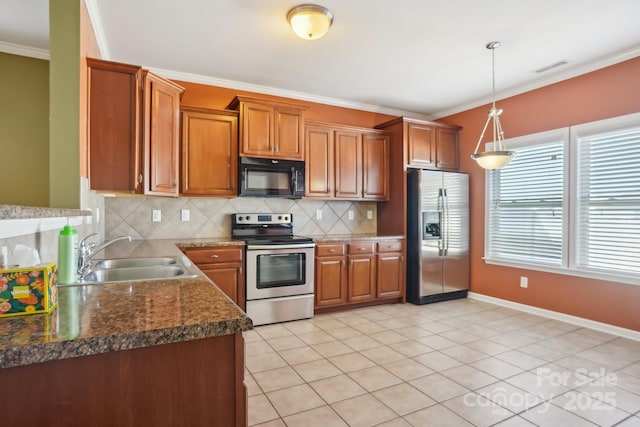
[574,320]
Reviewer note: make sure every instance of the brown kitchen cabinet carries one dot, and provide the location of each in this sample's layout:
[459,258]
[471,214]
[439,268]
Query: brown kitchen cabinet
[429,145]
[270,129]
[320,167]
[390,269]
[345,162]
[114,125]
[331,275]
[362,271]
[161,135]
[358,273]
[209,157]
[224,266]
[133,122]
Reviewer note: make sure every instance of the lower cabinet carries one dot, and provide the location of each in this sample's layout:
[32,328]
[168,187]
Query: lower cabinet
[358,273]
[224,266]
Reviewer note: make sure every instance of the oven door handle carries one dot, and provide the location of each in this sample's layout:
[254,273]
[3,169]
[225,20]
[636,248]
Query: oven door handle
[279,247]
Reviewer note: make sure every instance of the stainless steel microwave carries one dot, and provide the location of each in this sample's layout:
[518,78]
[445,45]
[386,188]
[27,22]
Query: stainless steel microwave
[271,178]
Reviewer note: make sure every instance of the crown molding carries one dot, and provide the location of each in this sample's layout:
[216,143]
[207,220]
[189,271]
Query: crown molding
[18,49]
[566,74]
[268,90]
[98,29]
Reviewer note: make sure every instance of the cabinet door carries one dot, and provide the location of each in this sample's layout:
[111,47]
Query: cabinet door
[256,132]
[289,134]
[362,278]
[348,164]
[161,135]
[447,149]
[209,154]
[390,275]
[319,161]
[330,281]
[114,114]
[229,278]
[375,166]
[421,145]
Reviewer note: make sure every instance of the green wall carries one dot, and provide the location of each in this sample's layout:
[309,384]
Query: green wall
[24,130]
[64,103]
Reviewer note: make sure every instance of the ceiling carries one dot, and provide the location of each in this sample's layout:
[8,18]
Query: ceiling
[423,58]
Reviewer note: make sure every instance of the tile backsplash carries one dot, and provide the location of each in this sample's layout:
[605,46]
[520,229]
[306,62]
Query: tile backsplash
[210,217]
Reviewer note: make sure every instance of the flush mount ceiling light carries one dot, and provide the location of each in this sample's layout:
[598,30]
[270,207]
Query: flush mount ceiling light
[499,157]
[310,21]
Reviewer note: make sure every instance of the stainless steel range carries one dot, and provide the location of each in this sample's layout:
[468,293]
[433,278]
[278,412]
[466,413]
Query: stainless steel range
[279,270]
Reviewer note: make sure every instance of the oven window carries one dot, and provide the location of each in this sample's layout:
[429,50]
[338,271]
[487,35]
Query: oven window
[267,180]
[278,270]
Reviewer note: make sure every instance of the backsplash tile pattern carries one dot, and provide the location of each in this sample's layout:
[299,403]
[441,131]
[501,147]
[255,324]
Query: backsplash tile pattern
[210,217]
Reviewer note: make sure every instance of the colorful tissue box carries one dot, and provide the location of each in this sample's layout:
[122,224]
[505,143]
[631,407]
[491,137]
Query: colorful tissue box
[28,290]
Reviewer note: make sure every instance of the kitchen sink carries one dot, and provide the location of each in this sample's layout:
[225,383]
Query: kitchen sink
[132,262]
[128,274]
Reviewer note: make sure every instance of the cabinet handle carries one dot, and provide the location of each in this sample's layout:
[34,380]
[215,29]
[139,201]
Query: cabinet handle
[332,250]
[361,249]
[140,178]
[215,256]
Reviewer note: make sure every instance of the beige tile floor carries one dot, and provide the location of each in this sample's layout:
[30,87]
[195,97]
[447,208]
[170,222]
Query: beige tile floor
[454,363]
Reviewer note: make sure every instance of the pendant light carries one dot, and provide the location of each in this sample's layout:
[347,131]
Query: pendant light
[499,156]
[310,21]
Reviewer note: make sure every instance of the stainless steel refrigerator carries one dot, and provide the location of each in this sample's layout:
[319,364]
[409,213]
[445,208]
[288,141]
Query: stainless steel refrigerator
[437,235]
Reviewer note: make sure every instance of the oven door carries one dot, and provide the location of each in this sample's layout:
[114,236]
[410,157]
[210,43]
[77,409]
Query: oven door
[279,270]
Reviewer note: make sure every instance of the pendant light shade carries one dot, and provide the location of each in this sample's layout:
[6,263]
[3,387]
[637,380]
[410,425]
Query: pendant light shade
[499,156]
[310,21]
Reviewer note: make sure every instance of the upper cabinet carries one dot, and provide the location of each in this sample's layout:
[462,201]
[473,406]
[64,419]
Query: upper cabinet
[133,122]
[428,145]
[115,144]
[345,162]
[161,135]
[270,129]
[209,152]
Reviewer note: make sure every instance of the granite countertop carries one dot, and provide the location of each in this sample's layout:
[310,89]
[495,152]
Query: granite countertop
[28,212]
[92,319]
[354,238]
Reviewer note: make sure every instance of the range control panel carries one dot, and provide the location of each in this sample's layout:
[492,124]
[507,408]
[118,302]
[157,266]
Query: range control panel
[261,219]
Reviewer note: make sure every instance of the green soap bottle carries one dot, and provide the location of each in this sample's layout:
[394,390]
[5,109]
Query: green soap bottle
[68,255]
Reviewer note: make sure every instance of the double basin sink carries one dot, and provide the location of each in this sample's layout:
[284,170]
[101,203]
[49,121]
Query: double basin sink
[135,269]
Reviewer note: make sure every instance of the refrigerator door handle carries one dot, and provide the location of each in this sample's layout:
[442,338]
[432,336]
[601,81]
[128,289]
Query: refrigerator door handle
[446,221]
[441,244]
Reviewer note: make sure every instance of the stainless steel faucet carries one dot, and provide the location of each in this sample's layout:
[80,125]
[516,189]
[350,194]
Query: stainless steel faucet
[87,251]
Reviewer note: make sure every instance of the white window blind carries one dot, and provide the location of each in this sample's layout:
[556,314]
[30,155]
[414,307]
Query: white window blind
[608,202]
[526,206]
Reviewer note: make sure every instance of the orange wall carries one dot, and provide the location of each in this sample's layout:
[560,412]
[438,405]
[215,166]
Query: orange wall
[204,96]
[609,92]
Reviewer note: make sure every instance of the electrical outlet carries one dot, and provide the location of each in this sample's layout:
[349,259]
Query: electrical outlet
[350,215]
[184,215]
[369,214]
[524,282]
[319,214]
[156,215]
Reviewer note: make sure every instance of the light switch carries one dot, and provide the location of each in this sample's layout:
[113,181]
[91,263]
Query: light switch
[351,216]
[369,214]
[319,214]
[156,215]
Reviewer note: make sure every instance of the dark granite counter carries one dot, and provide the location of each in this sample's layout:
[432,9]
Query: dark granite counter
[28,212]
[92,319]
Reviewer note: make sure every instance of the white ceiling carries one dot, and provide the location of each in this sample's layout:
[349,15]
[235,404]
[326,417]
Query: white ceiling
[424,57]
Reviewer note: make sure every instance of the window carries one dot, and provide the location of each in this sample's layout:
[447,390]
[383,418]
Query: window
[569,202]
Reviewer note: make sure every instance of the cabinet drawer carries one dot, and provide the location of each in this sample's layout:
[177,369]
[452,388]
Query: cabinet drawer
[329,250]
[390,246]
[215,255]
[361,248]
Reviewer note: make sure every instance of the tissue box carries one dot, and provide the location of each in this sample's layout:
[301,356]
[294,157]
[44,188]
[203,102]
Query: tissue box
[28,290]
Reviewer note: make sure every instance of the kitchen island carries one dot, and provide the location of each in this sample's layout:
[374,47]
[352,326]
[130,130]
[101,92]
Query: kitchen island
[161,352]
